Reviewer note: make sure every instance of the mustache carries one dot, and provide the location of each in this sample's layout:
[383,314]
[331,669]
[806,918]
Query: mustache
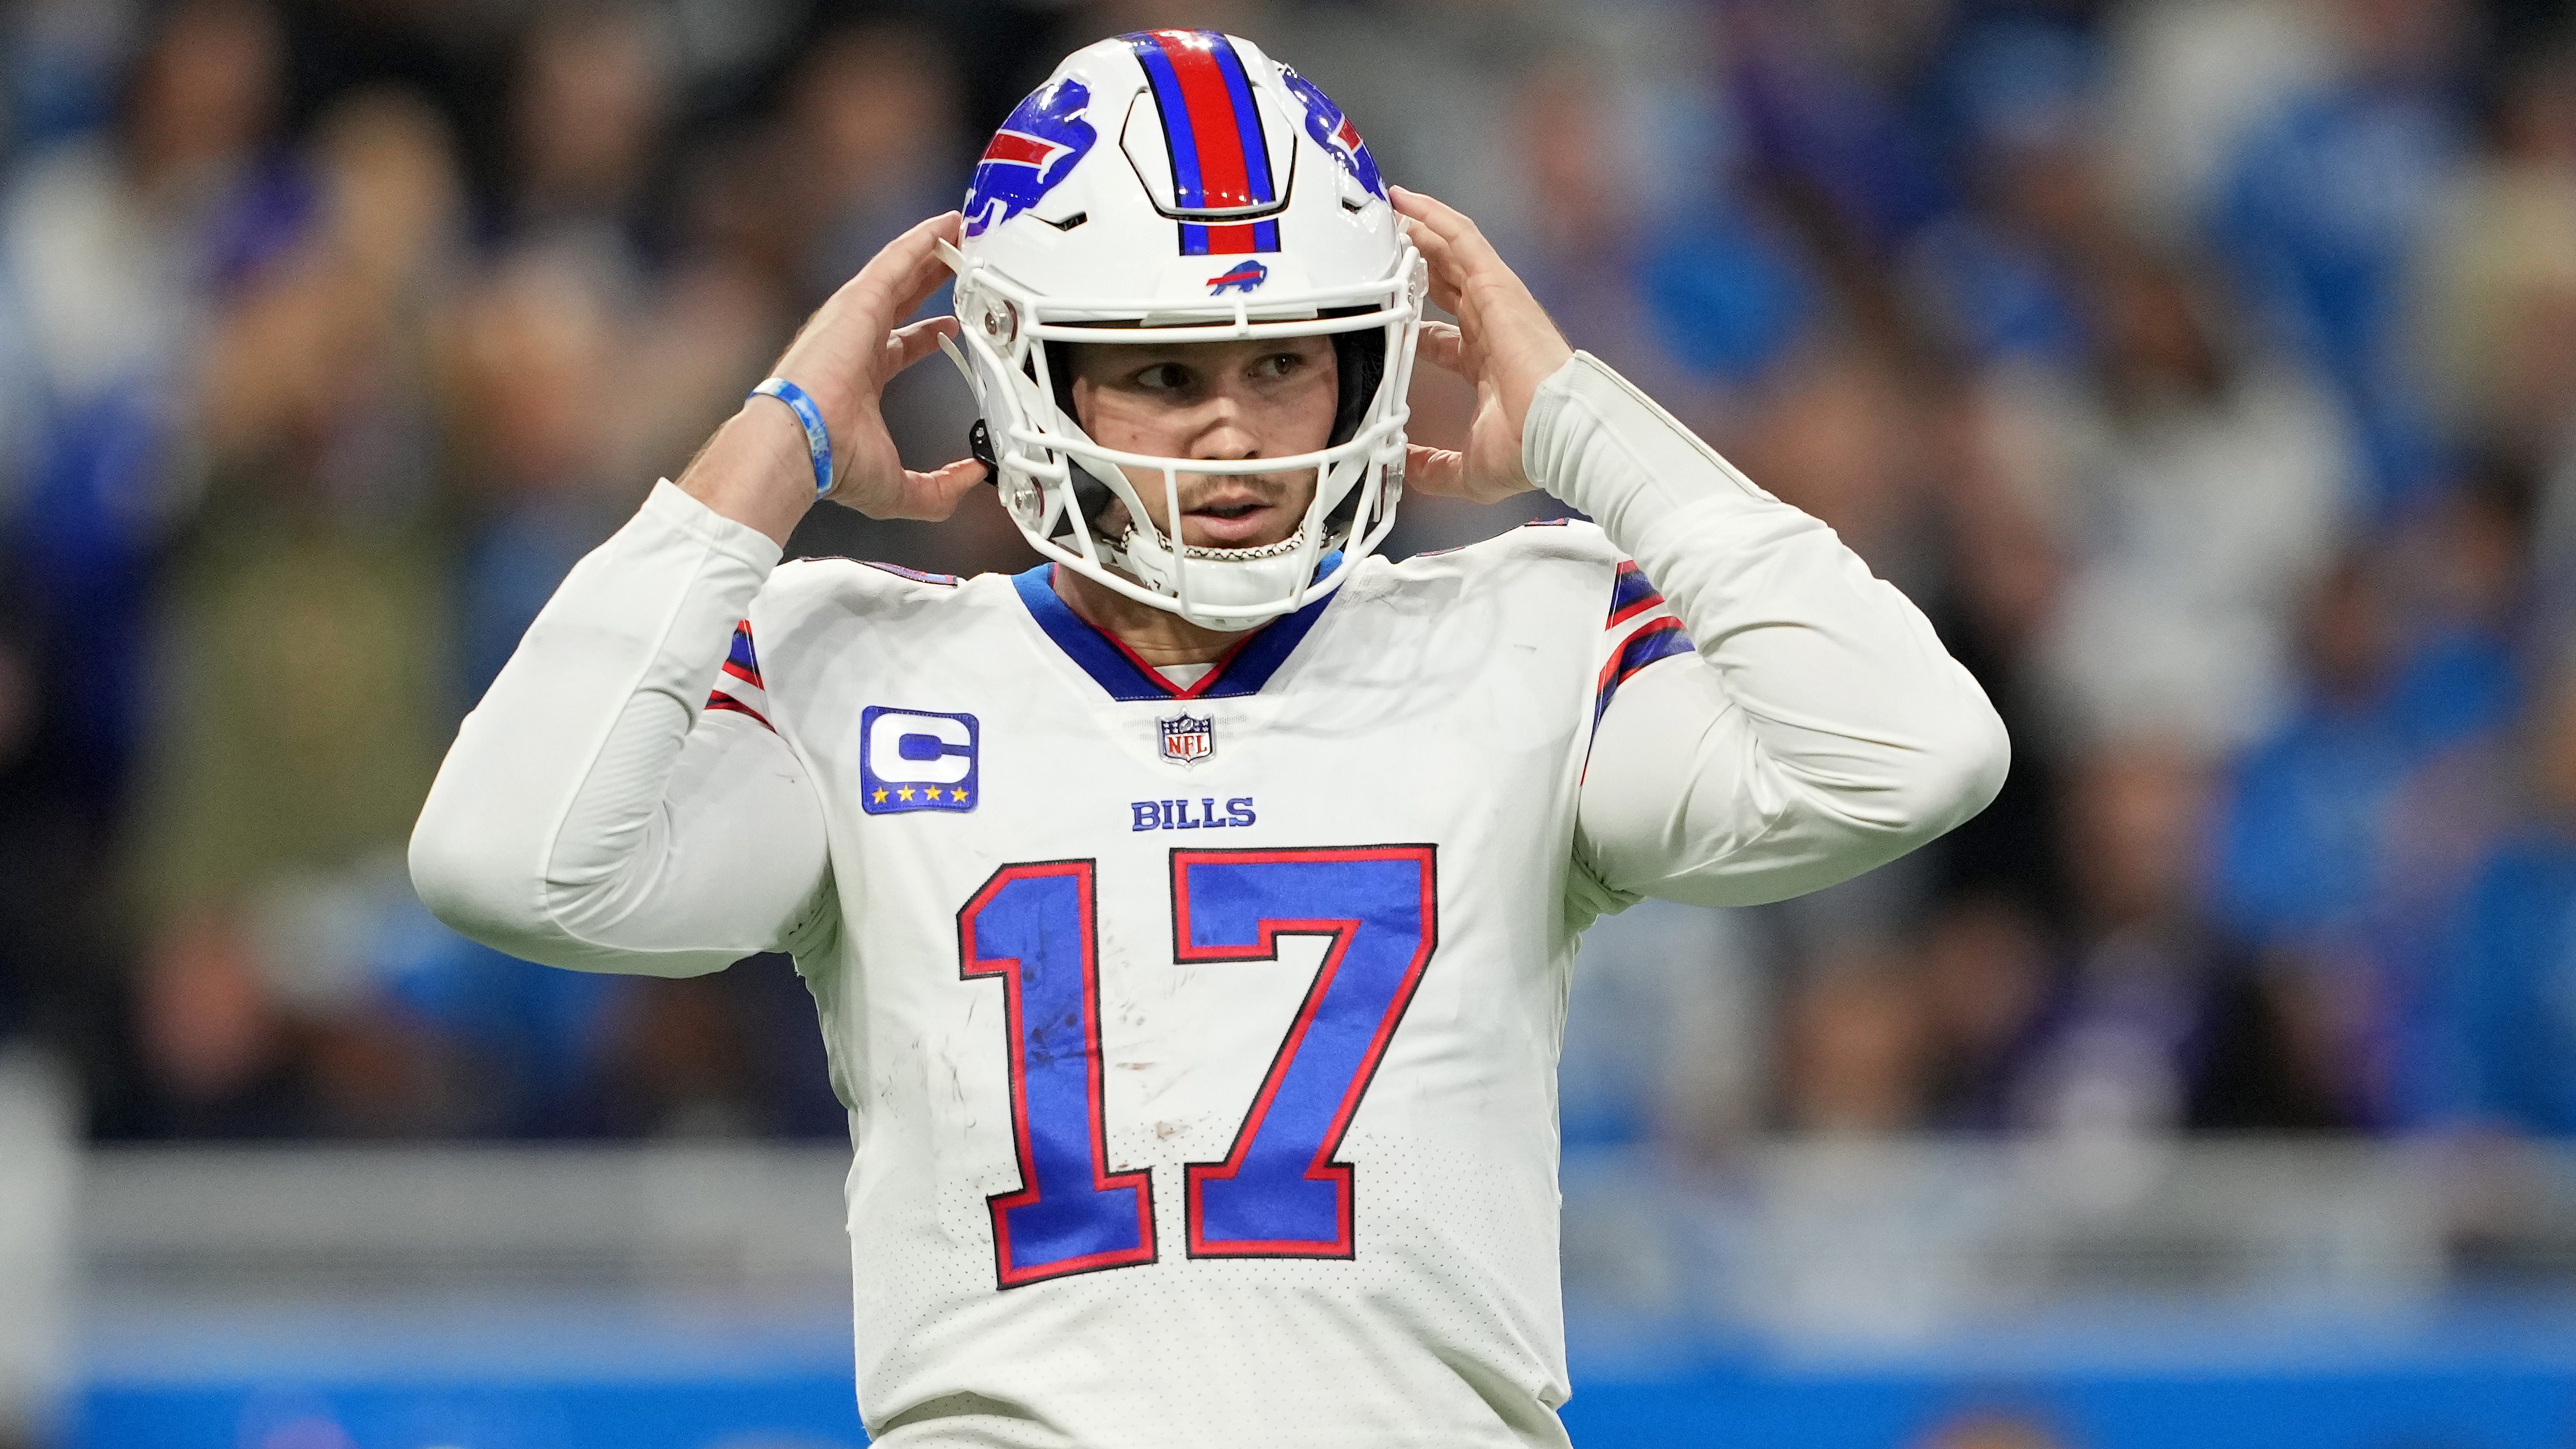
[1198,490]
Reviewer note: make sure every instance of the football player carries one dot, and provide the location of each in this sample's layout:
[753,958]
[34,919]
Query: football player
[1190,917]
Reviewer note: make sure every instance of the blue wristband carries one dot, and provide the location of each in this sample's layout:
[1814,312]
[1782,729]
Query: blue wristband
[818,440]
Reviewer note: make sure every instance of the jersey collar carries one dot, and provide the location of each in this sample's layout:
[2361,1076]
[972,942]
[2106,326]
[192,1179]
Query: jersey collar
[1116,668]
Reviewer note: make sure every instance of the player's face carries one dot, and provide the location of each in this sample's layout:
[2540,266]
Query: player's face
[1213,400]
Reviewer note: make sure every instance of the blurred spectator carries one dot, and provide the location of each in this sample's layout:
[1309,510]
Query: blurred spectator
[1665,1031]
[2500,283]
[108,248]
[1824,94]
[593,82]
[534,424]
[1856,1055]
[1986,969]
[874,112]
[2501,1038]
[2016,91]
[2155,1022]
[2201,493]
[2184,81]
[112,244]
[2345,835]
[301,642]
[2325,207]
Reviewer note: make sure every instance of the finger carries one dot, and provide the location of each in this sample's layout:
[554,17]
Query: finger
[1449,223]
[928,281]
[1442,260]
[1443,220]
[934,495]
[1434,247]
[1444,347]
[898,279]
[1435,471]
[910,344]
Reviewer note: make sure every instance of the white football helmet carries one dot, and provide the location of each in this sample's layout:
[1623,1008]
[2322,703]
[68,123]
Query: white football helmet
[1178,186]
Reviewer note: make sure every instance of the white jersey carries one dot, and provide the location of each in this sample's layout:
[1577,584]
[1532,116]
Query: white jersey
[1199,1043]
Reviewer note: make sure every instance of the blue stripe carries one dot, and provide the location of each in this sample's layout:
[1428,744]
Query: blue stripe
[1111,669]
[1657,641]
[1195,243]
[1099,658]
[1247,121]
[740,652]
[1629,589]
[1188,191]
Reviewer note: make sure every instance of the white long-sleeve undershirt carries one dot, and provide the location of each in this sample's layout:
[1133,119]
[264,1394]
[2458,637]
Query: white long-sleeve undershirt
[1821,731]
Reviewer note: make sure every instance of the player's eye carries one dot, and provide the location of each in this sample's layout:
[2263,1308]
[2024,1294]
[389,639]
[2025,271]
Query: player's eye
[1163,377]
[1278,364]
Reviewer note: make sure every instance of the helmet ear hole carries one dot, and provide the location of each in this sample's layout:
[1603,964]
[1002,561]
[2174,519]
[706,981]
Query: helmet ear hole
[1359,365]
[1059,357]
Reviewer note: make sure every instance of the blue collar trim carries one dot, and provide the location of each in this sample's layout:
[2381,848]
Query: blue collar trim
[1244,669]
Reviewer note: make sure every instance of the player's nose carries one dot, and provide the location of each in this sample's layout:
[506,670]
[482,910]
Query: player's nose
[1229,434]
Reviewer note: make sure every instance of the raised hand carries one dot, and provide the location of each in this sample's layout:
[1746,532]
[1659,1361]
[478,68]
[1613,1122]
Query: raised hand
[756,469]
[1503,343]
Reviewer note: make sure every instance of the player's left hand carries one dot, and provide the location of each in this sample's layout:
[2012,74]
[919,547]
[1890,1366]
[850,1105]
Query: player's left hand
[1503,343]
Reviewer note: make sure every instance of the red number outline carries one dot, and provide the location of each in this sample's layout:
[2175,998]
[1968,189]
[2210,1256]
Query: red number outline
[999,1204]
[1325,1166]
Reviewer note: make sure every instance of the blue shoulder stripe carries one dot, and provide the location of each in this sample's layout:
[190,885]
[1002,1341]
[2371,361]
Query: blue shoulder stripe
[1630,594]
[1659,640]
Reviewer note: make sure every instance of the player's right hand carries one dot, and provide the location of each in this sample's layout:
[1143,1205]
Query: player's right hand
[847,352]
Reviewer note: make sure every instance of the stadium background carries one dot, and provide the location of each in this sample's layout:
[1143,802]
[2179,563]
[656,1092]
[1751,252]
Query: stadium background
[2205,368]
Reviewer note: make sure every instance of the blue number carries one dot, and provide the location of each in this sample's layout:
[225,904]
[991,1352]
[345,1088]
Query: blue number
[1033,926]
[1279,1192]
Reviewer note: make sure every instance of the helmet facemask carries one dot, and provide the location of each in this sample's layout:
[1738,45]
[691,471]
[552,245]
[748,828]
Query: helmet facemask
[1056,481]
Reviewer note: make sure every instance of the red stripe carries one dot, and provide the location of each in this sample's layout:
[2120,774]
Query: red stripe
[1236,238]
[1214,129]
[1612,673]
[745,675]
[1652,600]
[1155,676]
[1215,671]
[1026,150]
[727,701]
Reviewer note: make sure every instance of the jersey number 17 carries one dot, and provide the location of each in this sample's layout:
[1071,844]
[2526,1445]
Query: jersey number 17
[1280,1192]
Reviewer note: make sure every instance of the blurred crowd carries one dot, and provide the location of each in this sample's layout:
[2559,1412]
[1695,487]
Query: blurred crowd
[2206,369]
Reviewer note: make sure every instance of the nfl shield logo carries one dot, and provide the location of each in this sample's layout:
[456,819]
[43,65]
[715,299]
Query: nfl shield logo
[1188,739]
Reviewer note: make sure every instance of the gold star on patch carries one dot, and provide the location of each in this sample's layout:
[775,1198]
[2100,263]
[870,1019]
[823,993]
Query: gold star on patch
[881,797]
[958,795]
[904,794]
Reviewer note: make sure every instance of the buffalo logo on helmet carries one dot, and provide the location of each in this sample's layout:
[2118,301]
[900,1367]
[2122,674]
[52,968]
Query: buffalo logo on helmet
[1247,274]
[1334,132]
[1037,147]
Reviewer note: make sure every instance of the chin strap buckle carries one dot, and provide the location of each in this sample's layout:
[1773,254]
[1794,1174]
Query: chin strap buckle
[979,443]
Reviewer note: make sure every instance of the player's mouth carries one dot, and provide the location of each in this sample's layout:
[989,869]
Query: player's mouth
[1234,518]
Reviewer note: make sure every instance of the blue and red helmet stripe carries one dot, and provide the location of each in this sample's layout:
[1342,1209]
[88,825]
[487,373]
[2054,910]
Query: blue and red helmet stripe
[1213,132]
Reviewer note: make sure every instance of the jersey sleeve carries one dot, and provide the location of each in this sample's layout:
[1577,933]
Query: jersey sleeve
[1769,718]
[621,800]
